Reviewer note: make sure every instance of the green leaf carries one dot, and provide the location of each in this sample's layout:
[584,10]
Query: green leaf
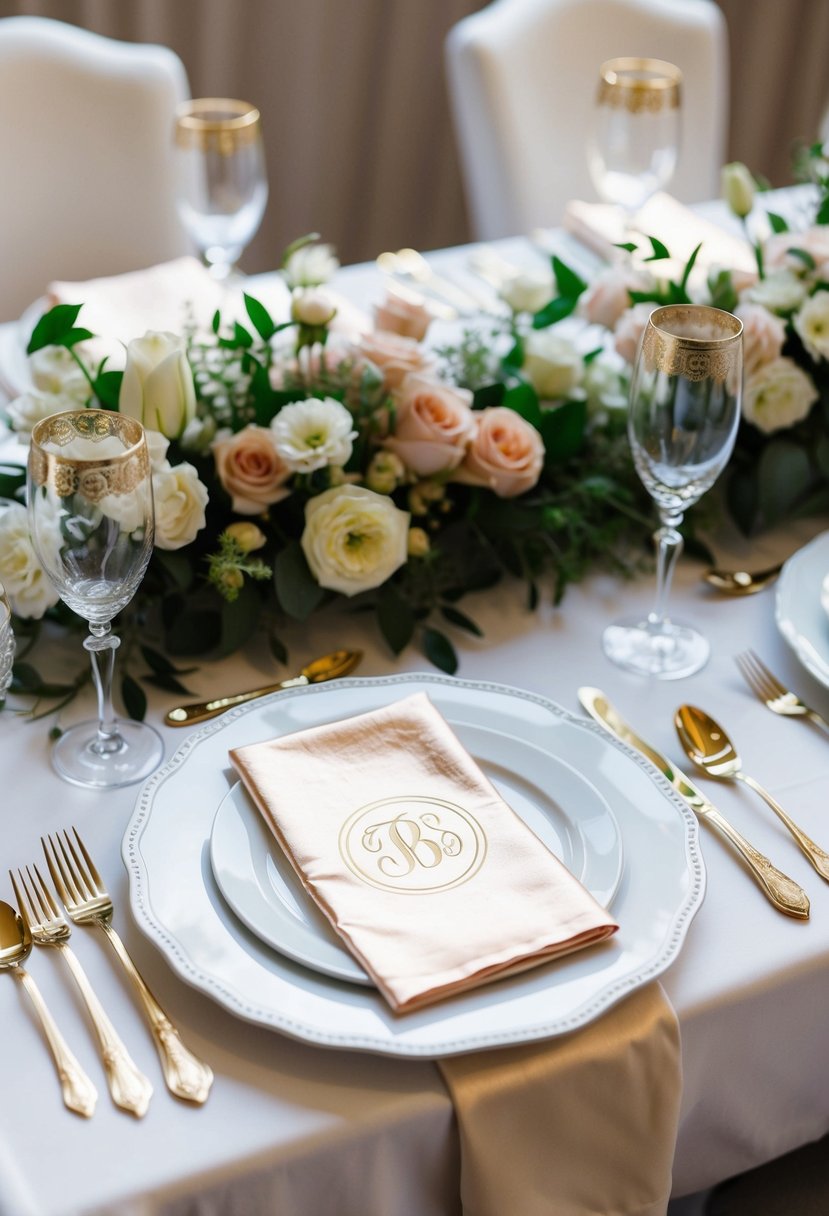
[168,682]
[296,588]
[107,388]
[563,430]
[722,290]
[783,475]
[805,257]
[216,321]
[239,619]
[72,337]
[514,356]
[628,246]
[134,698]
[778,224]
[260,318]
[12,479]
[660,251]
[484,397]
[176,567]
[523,398]
[689,266]
[192,631]
[555,311]
[157,662]
[241,336]
[439,650]
[455,617]
[569,283]
[822,216]
[395,618]
[278,648]
[52,326]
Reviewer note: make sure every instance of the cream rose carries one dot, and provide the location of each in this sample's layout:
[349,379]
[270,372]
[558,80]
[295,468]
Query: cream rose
[27,410]
[251,469]
[778,395]
[29,590]
[180,499]
[552,364]
[435,423]
[53,370]
[780,292]
[763,336]
[312,306]
[812,324]
[506,455]
[395,356]
[407,316]
[629,330]
[314,434]
[157,387]
[527,290]
[310,266]
[354,539]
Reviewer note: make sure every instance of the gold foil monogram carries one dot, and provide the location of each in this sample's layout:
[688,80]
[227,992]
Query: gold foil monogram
[412,844]
[692,341]
[641,86]
[92,478]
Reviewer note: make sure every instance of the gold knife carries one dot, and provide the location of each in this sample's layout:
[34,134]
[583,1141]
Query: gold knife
[329,667]
[783,891]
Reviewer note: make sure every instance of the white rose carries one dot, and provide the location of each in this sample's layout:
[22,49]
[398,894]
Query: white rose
[779,292]
[527,290]
[738,188]
[603,388]
[812,323]
[629,330]
[157,445]
[157,388]
[763,336]
[354,539]
[778,395]
[180,500]
[198,435]
[53,370]
[29,590]
[311,434]
[310,266]
[312,306]
[27,410]
[552,364]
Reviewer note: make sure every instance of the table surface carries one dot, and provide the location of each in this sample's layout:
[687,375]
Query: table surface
[299,1129]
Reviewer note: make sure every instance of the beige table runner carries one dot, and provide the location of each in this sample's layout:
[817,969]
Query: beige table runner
[581,1125]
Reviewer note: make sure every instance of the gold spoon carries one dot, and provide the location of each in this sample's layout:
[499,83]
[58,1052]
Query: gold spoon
[706,743]
[741,582]
[79,1094]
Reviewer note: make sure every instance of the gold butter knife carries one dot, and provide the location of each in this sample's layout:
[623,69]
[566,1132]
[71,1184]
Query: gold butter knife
[329,667]
[781,890]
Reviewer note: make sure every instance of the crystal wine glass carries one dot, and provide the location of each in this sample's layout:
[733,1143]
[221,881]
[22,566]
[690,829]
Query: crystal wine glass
[633,149]
[6,643]
[222,186]
[683,415]
[91,521]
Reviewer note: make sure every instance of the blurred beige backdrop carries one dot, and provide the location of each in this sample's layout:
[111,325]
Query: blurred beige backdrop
[352,92]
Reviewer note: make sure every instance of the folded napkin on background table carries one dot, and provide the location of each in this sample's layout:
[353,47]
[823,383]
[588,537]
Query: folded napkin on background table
[434,883]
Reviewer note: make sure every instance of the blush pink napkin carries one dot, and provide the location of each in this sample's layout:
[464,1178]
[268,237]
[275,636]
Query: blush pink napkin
[434,883]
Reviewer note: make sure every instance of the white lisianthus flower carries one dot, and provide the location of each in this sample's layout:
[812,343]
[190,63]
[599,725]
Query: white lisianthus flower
[780,292]
[310,266]
[180,500]
[312,306]
[738,188]
[314,433]
[812,323]
[53,370]
[198,435]
[527,290]
[157,388]
[30,408]
[778,395]
[29,590]
[552,364]
[354,539]
[604,389]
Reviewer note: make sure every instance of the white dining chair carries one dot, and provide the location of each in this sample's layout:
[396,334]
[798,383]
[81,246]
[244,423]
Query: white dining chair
[86,150]
[523,76]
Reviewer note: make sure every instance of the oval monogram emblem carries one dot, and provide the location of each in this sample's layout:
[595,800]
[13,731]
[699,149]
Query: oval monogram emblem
[412,844]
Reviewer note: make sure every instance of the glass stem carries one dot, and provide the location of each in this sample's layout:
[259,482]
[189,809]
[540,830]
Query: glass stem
[668,541]
[102,644]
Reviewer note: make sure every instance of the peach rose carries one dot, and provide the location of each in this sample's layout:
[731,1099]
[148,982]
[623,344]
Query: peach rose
[251,469]
[435,423]
[395,356]
[815,241]
[763,336]
[404,315]
[608,296]
[629,330]
[506,454]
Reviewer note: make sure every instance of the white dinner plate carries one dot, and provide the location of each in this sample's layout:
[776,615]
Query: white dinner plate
[800,609]
[560,805]
[177,903]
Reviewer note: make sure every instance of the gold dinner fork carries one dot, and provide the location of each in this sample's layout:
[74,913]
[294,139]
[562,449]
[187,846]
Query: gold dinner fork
[772,693]
[129,1088]
[87,901]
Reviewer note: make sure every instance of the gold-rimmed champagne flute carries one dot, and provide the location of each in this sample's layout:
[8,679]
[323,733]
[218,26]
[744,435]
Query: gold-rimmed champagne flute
[221,184]
[6,643]
[633,149]
[683,414]
[91,522]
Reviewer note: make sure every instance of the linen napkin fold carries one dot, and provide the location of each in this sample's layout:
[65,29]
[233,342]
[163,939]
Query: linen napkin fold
[433,882]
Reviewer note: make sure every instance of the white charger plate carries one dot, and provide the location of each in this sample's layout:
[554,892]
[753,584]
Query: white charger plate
[176,901]
[561,806]
[800,606]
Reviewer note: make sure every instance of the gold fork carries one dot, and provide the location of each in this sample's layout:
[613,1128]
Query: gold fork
[129,1088]
[772,693]
[87,901]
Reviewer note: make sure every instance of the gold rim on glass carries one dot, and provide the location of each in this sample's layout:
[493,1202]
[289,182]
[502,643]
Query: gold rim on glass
[94,478]
[649,85]
[216,124]
[709,353]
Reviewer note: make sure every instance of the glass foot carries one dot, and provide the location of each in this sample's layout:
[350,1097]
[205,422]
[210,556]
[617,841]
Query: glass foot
[667,650]
[137,752]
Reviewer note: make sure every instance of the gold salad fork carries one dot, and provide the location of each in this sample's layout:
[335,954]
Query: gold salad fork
[129,1088]
[87,901]
[768,689]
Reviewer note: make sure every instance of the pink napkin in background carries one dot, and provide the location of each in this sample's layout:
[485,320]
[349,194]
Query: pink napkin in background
[433,882]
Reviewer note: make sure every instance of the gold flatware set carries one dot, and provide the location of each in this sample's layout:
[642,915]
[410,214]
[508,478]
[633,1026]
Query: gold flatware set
[39,921]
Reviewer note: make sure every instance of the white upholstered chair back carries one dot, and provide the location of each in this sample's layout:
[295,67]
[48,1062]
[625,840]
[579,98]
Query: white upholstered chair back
[86,155]
[523,76]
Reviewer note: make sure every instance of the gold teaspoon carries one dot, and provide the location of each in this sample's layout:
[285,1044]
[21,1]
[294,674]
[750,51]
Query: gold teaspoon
[706,743]
[741,582]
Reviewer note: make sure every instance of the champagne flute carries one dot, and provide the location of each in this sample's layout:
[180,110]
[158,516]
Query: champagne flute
[222,186]
[633,149]
[6,643]
[91,521]
[683,415]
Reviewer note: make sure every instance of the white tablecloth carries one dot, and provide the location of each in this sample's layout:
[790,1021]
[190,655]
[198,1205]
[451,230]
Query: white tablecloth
[301,1130]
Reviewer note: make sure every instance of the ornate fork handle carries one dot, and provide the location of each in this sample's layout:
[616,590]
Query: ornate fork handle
[818,857]
[185,1075]
[129,1088]
[783,891]
[79,1094]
